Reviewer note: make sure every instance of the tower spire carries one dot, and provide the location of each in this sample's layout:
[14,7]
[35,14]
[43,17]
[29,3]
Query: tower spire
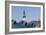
[24,14]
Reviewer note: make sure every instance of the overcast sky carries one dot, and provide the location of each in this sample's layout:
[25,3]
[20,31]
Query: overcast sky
[32,13]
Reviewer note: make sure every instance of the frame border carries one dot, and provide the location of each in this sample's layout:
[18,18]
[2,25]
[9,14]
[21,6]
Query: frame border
[7,16]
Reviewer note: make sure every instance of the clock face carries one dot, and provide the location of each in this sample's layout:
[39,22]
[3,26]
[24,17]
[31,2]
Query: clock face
[24,19]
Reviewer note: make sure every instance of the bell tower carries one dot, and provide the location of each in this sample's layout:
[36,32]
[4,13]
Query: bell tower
[24,16]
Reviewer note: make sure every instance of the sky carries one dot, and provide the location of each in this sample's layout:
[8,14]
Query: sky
[32,13]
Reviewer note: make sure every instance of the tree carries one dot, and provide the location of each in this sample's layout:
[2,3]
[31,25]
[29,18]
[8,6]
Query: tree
[14,22]
[26,24]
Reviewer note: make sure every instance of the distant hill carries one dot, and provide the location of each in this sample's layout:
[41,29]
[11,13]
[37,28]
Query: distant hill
[23,24]
[34,24]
